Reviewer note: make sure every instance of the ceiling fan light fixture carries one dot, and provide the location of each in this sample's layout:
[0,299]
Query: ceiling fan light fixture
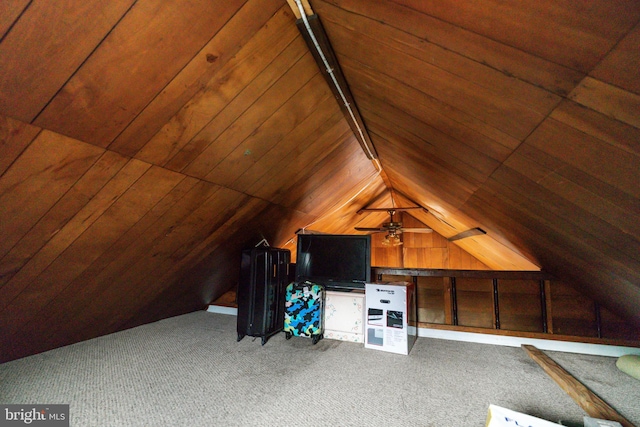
[391,240]
[393,228]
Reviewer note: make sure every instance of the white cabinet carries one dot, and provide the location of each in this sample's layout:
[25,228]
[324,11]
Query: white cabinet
[344,316]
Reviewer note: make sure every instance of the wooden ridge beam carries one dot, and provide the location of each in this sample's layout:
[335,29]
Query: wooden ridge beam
[593,405]
[296,11]
[317,40]
[339,87]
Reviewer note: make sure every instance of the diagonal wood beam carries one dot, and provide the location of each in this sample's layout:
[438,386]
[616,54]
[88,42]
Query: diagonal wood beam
[588,401]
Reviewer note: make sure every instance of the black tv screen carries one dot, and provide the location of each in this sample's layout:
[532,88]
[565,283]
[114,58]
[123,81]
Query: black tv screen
[334,261]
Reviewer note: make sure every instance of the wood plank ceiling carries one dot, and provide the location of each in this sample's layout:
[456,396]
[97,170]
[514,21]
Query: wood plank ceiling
[145,142]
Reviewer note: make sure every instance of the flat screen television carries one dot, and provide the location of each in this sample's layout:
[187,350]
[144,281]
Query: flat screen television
[336,261]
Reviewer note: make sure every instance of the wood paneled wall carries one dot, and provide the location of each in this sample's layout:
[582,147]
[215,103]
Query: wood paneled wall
[152,150]
[421,250]
[145,142]
[521,119]
[530,305]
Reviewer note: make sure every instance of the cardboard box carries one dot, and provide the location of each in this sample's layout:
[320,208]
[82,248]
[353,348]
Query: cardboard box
[344,316]
[597,422]
[391,322]
[502,417]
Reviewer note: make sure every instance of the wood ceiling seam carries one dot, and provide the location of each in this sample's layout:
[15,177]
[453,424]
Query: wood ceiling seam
[16,136]
[450,151]
[438,192]
[80,65]
[186,66]
[440,179]
[577,220]
[328,212]
[450,89]
[288,116]
[34,167]
[97,275]
[145,51]
[432,169]
[295,163]
[557,260]
[604,190]
[285,145]
[183,253]
[598,125]
[294,141]
[470,157]
[620,66]
[60,214]
[194,145]
[257,113]
[317,201]
[453,115]
[471,45]
[39,294]
[133,276]
[240,102]
[481,205]
[499,81]
[221,49]
[570,145]
[608,99]
[554,24]
[468,150]
[559,236]
[6,26]
[328,171]
[45,47]
[60,241]
[604,203]
[201,251]
[248,57]
[526,138]
[577,195]
[284,194]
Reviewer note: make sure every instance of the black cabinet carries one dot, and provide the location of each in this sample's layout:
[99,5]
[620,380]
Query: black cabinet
[264,275]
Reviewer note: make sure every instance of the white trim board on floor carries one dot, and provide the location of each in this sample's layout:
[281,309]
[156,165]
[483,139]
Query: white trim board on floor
[223,310]
[509,341]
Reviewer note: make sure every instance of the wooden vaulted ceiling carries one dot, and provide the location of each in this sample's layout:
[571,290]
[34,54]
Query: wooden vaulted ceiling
[145,142]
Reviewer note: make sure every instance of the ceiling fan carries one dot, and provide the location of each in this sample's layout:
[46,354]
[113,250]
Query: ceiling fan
[392,228]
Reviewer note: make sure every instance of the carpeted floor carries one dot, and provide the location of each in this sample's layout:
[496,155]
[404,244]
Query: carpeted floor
[190,371]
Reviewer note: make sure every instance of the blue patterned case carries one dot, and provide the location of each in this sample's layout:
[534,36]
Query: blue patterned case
[304,311]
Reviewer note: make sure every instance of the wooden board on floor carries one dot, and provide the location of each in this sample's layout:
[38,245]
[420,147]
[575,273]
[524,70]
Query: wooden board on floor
[592,404]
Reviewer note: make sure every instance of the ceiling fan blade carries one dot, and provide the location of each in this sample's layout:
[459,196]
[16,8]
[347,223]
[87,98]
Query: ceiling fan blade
[375,230]
[307,231]
[472,232]
[416,230]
